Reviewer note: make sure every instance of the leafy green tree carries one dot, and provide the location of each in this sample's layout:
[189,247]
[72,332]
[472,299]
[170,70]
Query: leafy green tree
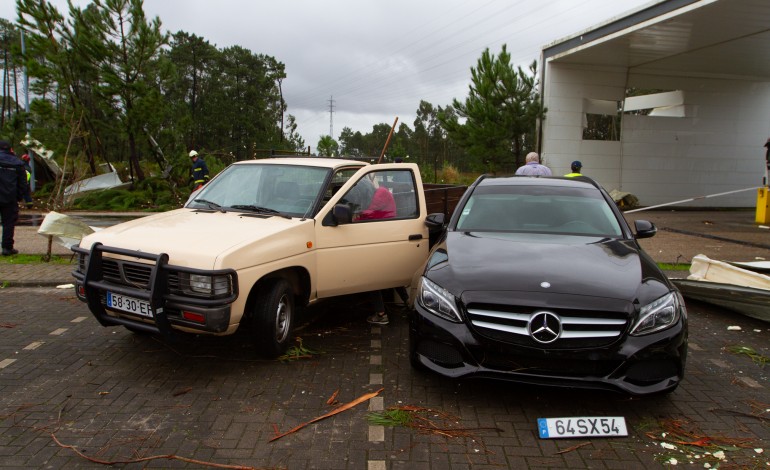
[128,66]
[351,143]
[192,59]
[375,140]
[231,100]
[327,147]
[345,140]
[102,70]
[293,139]
[62,76]
[499,115]
[9,43]
[400,142]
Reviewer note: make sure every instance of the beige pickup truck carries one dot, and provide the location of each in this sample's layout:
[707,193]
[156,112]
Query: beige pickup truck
[261,239]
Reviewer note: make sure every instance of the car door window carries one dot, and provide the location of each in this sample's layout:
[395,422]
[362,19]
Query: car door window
[382,195]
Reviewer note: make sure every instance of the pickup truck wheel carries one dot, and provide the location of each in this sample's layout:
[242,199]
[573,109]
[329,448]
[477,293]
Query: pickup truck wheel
[273,318]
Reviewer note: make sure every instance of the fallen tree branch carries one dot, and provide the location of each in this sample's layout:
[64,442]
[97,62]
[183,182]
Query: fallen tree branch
[333,412]
[147,459]
[575,447]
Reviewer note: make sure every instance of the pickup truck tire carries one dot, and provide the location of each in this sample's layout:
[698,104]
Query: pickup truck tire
[273,317]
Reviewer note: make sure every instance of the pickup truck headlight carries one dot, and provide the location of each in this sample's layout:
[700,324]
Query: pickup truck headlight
[658,315]
[438,300]
[213,285]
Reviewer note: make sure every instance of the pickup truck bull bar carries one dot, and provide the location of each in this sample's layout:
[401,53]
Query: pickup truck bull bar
[156,292]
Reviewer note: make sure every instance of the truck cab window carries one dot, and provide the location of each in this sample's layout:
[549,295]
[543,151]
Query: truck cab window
[383,195]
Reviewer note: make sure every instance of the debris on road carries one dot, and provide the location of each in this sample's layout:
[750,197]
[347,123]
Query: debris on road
[339,409]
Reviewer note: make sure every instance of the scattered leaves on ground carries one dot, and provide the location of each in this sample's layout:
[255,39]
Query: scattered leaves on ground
[683,443]
[756,357]
[427,421]
[295,353]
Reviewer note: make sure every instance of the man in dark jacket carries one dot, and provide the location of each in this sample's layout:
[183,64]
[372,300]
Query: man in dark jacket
[13,182]
[199,173]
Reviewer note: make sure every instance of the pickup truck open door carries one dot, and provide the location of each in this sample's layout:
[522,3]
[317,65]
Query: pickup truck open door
[372,233]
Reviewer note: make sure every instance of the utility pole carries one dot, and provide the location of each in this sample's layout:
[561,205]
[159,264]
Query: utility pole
[331,117]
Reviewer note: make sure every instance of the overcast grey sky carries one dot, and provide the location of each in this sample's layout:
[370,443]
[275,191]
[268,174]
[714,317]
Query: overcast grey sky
[376,60]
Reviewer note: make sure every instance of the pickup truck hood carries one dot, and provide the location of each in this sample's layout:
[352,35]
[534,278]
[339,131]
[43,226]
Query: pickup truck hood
[199,239]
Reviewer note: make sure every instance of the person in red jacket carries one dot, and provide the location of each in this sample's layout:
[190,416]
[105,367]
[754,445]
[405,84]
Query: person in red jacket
[383,206]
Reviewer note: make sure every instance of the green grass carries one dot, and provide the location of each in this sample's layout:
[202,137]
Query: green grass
[674,267]
[22,258]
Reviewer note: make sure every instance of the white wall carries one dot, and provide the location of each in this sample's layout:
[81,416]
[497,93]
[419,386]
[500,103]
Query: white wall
[717,147]
[565,89]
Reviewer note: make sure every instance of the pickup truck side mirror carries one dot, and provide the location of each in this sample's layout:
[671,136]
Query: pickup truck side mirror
[645,229]
[342,214]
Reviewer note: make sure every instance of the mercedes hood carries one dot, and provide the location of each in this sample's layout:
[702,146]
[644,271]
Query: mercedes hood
[539,264]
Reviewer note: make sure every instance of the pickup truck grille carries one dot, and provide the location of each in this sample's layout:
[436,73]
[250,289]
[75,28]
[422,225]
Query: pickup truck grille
[127,273]
[579,328]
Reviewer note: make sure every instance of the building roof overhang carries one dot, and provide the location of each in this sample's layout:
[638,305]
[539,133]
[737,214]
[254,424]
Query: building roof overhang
[708,38]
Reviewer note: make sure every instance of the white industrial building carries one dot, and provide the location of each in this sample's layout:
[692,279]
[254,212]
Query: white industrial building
[700,115]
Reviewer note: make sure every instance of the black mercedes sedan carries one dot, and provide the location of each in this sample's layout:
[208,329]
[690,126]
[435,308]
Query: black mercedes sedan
[541,281]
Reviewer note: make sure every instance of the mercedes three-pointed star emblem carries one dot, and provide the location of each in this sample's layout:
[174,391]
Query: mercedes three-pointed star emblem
[544,327]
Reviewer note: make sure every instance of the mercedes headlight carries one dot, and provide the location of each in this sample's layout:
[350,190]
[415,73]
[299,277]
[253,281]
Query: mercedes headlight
[438,300]
[658,315]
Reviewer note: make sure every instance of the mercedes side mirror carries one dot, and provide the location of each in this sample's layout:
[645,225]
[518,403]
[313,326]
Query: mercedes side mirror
[645,229]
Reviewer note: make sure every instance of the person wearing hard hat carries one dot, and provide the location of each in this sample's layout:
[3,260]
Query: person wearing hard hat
[575,167]
[199,173]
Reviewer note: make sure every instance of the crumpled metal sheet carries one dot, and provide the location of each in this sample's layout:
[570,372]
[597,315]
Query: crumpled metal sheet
[65,230]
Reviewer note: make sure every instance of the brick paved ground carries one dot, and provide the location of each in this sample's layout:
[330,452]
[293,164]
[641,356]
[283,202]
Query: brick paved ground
[116,396]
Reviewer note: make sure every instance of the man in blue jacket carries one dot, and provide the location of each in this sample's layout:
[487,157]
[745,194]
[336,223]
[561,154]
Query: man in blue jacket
[199,173]
[13,181]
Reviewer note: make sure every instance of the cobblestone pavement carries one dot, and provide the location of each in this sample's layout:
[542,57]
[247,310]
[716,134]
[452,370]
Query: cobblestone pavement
[117,396]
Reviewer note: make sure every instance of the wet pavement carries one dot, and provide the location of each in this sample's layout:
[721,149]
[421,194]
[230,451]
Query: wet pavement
[119,397]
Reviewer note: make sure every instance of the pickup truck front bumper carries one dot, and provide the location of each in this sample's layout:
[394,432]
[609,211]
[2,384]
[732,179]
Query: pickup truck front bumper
[143,292]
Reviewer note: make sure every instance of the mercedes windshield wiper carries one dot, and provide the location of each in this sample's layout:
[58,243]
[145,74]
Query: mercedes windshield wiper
[212,205]
[260,209]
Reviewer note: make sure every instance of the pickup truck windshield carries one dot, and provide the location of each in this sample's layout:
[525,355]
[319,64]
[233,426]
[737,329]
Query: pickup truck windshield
[286,189]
